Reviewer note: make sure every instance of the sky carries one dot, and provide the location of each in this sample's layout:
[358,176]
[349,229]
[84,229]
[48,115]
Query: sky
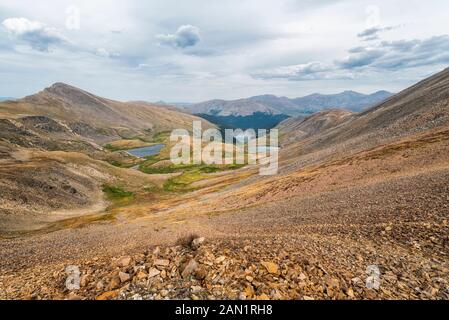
[192,51]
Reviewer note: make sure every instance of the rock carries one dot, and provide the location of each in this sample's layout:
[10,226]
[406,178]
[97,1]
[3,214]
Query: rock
[107,295]
[73,296]
[307,298]
[141,274]
[249,278]
[271,267]
[220,259]
[333,283]
[276,295]
[153,272]
[196,289]
[350,293]
[249,291]
[99,285]
[162,262]
[302,276]
[114,283]
[263,296]
[156,251]
[356,280]
[164,293]
[124,262]
[84,280]
[191,267]
[124,276]
[197,243]
[433,292]
[201,273]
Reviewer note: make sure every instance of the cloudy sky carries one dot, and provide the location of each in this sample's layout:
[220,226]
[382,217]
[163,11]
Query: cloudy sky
[189,51]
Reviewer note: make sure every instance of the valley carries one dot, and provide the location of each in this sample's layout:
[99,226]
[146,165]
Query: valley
[267,111]
[356,188]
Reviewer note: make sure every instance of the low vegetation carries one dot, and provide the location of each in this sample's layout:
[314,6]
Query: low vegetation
[127,144]
[194,173]
[161,137]
[186,240]
[172,168]
[117,193]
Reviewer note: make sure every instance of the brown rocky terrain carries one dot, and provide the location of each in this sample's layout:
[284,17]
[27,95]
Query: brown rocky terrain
[53,155]
[66,118]
[369,192]
[299,128]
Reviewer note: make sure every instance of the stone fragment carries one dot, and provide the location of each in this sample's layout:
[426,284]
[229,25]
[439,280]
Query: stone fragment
[153,272]
[270,266]
[162,262]
[189,268]
[124,262]
[197,243]
[124,276]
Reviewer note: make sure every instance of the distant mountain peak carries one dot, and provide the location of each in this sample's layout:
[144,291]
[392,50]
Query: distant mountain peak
[271,104]
[66,91]
[58,86]
[382,93]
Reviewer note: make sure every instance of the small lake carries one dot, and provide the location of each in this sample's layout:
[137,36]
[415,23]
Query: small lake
[146,151]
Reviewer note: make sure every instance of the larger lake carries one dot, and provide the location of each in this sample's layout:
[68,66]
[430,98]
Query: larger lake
[146,151]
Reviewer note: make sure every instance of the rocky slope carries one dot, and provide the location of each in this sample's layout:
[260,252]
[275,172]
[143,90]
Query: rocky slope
[421,107]
[295,129]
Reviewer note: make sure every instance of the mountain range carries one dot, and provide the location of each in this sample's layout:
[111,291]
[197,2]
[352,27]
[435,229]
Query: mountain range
[271,104]
[6,98]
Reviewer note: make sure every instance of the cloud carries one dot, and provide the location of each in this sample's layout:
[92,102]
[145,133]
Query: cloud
[301,40]
[382,57]
[39,36]
[185,36]
[373,33]
[361,58]
[303,72]
[399,54]
[102,52]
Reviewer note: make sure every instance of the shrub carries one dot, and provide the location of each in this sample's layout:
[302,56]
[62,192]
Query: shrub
[186,240]
[115,192]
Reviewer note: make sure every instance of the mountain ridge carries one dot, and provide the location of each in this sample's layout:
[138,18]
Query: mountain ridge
[73,106]
[272,104]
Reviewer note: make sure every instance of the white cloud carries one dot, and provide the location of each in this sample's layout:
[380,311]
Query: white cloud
[307,71]
[36,34]
[102,52]
[373,33]
[399,54]
[382,57]
[185,36]
[233,41]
